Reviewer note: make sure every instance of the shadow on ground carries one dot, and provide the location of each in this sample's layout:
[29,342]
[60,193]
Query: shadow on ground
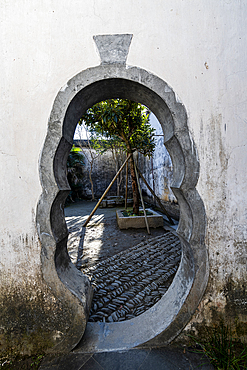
[101,238]
[166,358]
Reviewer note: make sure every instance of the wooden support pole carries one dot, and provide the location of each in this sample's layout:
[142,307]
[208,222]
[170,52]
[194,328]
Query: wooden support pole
[106,191]
[158,199]
[126,186]
[140,192]
[152,168]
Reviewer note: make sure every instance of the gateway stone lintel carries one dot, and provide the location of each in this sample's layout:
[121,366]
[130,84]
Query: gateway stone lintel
[113,49]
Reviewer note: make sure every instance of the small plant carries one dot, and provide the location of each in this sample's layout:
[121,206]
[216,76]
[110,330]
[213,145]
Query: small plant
[222,350]
[36,361]
[21,362]
[128,213]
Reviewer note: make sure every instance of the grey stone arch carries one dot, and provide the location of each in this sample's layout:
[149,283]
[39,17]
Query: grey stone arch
[165,320]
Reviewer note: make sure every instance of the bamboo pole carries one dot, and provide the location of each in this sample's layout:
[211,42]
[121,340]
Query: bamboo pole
[140,192]
[106,191]
[126,186]
[152,168]
[158,199]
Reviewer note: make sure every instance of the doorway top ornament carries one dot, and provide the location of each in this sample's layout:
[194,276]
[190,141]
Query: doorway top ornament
[113,49]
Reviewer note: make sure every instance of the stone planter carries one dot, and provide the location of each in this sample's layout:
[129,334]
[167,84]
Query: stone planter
[137,222]
[114,201]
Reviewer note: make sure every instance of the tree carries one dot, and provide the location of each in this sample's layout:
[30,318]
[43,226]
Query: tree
[127,122]
[93,151]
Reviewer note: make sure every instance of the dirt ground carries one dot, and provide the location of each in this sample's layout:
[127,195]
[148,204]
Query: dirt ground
[101,238]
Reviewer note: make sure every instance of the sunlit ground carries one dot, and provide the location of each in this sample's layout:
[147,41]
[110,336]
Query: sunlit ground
[92,235]
[101,238]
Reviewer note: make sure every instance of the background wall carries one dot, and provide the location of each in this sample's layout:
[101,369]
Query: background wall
[159,170]
[199,48]
[103,171]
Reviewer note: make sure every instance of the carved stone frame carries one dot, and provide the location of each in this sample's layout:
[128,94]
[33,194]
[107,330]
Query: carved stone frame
[165,320]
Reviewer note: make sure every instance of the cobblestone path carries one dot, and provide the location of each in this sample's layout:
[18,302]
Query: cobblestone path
[102,238]
[132,281]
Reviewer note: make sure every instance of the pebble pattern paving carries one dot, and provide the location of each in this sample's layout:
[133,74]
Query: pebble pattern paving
[130,282]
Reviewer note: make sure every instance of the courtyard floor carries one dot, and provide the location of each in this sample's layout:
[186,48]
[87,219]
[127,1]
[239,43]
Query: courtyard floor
[101,238]
[130,270]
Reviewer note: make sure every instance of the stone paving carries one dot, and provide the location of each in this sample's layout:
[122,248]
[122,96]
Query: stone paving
[132,281]
[129,269]
[101,238]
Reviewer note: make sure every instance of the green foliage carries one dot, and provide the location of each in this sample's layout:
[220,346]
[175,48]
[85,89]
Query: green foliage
[128,213]
[223,352]
[75,158]
[75,162]
[121,123]
[36,361]
[21,362]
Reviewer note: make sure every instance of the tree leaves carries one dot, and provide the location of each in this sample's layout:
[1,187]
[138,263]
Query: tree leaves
[121,121]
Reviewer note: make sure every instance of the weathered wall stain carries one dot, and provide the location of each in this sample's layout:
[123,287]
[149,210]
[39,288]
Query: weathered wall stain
[32,319]
[158,171]
[228,305]
[225,296]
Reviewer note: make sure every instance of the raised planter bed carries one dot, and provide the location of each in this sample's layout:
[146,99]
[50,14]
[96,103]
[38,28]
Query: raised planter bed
[114,201]
[138,222]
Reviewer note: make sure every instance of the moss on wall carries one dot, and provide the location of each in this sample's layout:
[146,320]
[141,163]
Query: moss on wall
[226,305]
[32,320]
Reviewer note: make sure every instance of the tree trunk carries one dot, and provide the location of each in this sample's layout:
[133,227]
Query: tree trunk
[126,185]
[118,187]
[134,187]
[91,181]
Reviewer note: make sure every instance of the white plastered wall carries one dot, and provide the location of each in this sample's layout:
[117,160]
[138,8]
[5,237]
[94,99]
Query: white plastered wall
[198,47]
